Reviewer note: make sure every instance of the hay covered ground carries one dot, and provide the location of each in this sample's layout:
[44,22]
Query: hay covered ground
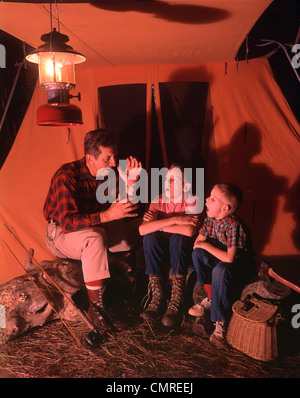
[143,351]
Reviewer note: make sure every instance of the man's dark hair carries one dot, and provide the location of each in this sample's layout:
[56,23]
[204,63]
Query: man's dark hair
[96,138]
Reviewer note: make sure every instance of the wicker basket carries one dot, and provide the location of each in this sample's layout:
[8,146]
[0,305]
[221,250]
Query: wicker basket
[252,328]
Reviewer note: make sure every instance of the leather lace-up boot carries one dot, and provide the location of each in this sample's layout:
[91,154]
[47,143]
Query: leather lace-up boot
[157,303]
[174,314]
[100,316]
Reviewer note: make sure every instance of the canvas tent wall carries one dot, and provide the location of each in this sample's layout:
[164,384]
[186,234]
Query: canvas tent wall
[265,163]
[249,133]
[121,32]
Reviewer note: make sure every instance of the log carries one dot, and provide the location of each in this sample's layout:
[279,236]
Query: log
[24,306]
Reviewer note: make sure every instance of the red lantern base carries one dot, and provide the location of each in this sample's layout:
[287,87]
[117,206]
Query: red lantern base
[59,115]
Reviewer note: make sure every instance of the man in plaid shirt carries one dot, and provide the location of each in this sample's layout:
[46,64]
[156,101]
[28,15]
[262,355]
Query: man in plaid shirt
[222,256]
[81,228]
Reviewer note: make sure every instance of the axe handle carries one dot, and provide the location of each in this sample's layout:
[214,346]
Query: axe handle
[273,274]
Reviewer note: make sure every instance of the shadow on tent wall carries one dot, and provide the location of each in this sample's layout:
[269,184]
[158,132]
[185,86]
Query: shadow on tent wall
[182,13]
[261,187]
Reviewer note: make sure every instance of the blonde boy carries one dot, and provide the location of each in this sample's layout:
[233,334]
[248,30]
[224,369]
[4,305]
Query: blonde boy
[222,256]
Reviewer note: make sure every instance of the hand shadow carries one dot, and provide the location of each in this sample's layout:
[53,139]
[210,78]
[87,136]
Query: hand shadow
[260,185]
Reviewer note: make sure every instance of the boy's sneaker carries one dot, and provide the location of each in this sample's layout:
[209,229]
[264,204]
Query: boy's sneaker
[200,308]
[218,335]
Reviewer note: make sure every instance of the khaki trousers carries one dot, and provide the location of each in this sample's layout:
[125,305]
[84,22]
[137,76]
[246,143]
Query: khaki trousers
[90,245]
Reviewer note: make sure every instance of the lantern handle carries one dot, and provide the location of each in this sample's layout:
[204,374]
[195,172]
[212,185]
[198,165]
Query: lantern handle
[76,96]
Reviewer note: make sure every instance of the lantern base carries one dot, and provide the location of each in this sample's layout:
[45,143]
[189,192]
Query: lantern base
[59,115]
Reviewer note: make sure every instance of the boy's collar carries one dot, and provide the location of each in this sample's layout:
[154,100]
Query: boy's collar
[224,219]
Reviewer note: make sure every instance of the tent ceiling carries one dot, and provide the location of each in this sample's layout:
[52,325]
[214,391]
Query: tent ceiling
[140,32]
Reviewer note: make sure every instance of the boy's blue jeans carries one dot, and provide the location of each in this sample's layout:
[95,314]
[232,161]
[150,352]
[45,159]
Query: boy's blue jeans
[226,280]
[158,244]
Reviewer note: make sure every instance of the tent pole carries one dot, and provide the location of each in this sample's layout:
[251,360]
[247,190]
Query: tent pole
[285,51]
[148,126]
[11,94]
[160,123]
[297,41]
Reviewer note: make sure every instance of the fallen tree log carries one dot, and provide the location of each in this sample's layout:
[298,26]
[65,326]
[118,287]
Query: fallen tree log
[27,306]
[32,300]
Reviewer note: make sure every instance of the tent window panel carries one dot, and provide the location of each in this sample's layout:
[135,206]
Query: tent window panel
[123,109]
[183,106]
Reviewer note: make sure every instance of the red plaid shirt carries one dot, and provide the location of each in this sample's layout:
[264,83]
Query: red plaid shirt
[229,231]
[71,199]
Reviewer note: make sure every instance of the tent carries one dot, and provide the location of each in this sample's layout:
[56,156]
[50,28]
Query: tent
[247,133]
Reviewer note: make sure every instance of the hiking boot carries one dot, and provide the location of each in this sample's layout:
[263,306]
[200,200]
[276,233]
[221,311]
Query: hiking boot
[218,335]
[157,303]
[174,314]
[100,316]
[199,309]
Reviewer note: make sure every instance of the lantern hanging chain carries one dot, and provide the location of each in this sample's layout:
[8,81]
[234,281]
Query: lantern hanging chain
[51,22]
[57,16]
[80,39]
[51,28]
[51,15]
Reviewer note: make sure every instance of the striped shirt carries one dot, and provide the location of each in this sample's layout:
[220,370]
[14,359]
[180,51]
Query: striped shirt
[71,200]
[166,208]
[229,231]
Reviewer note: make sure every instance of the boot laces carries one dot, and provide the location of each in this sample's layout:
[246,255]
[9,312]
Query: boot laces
[100,302]
[155,290]
[177,294]
[154,293]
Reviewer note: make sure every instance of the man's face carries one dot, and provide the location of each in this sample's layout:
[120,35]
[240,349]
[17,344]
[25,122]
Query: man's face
[107,158]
